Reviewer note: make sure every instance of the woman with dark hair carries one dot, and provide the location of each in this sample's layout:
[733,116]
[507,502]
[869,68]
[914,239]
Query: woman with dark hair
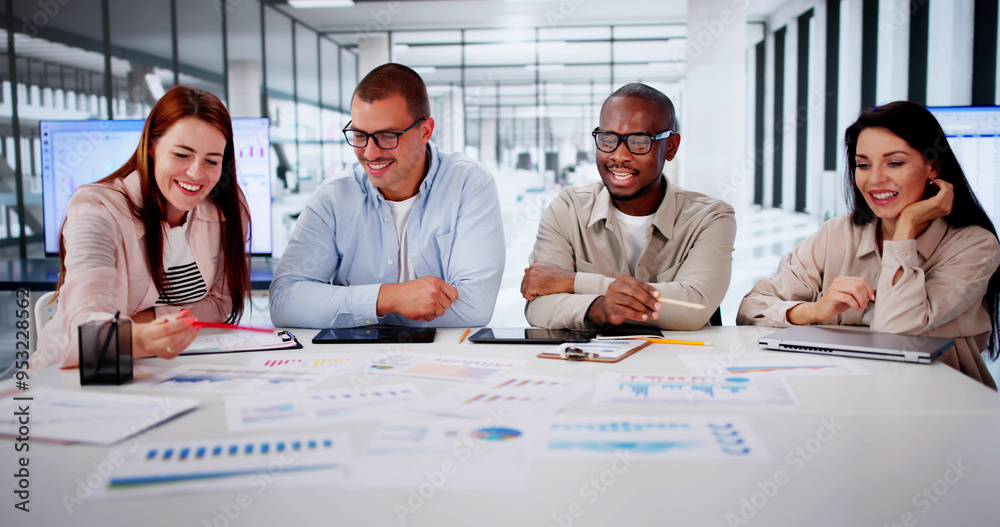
[916,255]
[162,240]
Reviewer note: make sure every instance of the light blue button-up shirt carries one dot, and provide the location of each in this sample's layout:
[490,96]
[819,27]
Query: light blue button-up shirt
[344,247]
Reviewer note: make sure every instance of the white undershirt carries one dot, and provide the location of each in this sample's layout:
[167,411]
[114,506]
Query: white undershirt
[184,283]
[400,214]
[634,235]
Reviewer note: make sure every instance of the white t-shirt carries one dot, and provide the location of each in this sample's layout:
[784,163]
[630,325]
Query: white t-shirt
[184,284]
[400,214]
[634,235]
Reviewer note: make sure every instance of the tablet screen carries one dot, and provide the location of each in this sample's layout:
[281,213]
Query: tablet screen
[374,334]
[531,335]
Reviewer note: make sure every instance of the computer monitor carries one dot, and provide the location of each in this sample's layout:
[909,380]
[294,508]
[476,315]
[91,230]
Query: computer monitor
[974,135]
[75,153]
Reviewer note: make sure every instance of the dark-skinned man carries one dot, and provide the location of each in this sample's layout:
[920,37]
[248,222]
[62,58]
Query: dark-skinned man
[609,252]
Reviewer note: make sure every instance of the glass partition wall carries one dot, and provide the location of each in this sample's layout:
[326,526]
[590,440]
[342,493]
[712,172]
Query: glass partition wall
[113,59]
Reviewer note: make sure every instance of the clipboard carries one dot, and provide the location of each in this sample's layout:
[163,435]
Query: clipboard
[228,341]
[595,350]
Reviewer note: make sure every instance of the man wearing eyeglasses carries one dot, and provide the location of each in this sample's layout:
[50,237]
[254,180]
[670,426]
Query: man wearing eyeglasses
[613,252]
[407,236]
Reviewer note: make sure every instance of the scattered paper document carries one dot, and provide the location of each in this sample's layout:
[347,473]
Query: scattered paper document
[624,387]
[445,367]
[516,397]
[640,436]
[338,363]
[88,417]
[313,409]
[447,453]
[247,463]
[770,363]
[221,378]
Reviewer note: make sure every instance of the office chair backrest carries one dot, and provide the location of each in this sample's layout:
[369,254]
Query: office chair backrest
[716,319]
[45,309]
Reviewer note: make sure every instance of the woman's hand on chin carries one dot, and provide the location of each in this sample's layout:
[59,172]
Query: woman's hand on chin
[915,218]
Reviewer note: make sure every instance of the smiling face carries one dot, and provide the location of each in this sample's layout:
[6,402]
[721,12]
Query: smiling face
[187,163]
[635,181]
[397,173]
[889,173]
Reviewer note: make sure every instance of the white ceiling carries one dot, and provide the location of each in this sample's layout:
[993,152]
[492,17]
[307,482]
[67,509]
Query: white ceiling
[368,16]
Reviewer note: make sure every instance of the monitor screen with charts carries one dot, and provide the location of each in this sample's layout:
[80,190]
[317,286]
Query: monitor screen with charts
[974,135]
[75,153]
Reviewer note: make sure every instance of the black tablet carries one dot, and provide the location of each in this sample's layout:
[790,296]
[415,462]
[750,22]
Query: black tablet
[373,334]
[530,336]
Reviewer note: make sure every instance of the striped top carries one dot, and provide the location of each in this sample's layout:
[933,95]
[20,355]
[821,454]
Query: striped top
[184,284]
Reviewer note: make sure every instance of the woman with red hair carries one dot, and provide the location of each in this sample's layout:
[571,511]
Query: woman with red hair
[162,240]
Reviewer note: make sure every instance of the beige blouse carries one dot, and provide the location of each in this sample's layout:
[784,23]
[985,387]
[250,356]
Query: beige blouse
[946,271]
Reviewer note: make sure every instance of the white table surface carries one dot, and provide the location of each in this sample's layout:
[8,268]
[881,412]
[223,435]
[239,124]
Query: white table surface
[898,431]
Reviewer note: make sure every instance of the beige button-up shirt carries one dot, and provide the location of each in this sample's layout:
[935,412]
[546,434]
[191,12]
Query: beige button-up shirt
[946,271]
[687,256]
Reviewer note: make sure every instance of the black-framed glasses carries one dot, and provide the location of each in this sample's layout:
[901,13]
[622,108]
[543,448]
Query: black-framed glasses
[385,139]
[638,144]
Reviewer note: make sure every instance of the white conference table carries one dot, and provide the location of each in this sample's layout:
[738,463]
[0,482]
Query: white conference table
[898,431]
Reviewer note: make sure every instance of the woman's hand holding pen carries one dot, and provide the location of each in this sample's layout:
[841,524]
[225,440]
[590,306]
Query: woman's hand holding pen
[166,336]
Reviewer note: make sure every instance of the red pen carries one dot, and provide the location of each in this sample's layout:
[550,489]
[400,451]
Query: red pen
[200,324]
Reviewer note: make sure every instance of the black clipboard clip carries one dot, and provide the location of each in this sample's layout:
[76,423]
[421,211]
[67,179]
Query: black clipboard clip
[575,353]
[286,336]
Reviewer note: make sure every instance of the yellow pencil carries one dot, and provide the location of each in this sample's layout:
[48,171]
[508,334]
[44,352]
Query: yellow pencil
[688,342]
[464,334]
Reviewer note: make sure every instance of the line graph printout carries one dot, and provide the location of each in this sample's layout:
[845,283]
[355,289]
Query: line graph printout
[763,363]
[89,417]
[627,388]
[445,367]
[514,396]
[228,379]
[719,437]
[314,409]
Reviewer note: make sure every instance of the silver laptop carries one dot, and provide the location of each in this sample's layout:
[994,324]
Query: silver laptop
[851,343]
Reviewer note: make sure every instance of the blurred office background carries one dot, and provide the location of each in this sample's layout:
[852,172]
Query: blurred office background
[764,90]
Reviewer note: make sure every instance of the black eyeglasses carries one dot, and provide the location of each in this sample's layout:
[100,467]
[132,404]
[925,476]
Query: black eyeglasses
[385,140]
[638,144]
